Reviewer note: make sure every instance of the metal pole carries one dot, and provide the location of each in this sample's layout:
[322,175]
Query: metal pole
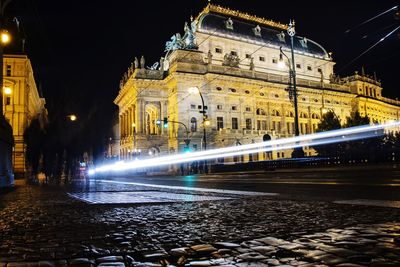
[297,152]
[204,122]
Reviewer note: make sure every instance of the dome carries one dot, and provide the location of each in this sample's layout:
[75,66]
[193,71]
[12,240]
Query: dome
[250,30]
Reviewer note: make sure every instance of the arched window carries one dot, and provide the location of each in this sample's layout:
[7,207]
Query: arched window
[260,111]
[275,113]
[303,115]
[314,116]
[193,125]
[289,114]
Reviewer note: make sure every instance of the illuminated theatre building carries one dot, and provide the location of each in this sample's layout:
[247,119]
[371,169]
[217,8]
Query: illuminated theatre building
[232,59]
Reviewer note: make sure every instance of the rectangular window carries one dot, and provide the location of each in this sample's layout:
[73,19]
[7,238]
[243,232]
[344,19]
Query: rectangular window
[205,107]
[309,68]
[262,59]
[192,106]
[248,124]
[248,56]
[288,129]
[234,107]
[199,106]
[258,125]
[248,109]
[220,123]
[298,66]
[8,100]
[274,60]
[319,70]
[263,125]
[235,124]
[234,53]
[218,50]
[8,70]
[219,107]
[273,126]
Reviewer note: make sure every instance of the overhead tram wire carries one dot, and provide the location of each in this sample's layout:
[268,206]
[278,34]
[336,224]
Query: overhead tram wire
[230,68]
[369,49]
[371,19]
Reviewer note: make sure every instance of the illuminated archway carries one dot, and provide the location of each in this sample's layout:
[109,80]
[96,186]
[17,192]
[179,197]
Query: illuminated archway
[152,115]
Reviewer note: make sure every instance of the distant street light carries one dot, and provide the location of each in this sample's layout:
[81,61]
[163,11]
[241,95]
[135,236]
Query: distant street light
[5,37]
[72,117]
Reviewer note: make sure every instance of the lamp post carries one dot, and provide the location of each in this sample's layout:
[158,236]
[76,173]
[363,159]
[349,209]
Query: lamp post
[298,151]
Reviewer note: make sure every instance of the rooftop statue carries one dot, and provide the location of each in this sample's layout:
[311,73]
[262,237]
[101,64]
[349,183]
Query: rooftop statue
[142,62]
[136,63]
[188,41]
[189,37]
[175,43]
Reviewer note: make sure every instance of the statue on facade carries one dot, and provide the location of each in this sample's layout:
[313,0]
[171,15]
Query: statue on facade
[136,62]
[251,63]
[161,64]
[175,43]
[231,60]
[154,66]
[209,57]
[189,36]
[142,62]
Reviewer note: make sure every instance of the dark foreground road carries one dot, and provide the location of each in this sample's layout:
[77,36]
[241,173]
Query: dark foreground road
[336,183]
[274,219]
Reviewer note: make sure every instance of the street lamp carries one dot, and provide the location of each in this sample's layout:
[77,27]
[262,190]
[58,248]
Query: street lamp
[206,122]
[5,37]
[298,151]
[72,117]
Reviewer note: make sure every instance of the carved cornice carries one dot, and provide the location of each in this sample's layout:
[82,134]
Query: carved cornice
[245,16]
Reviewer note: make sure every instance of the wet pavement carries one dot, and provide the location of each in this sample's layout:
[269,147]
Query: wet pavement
[101,223]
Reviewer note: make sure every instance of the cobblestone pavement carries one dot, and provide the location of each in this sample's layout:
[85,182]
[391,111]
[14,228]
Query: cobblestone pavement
[43,226]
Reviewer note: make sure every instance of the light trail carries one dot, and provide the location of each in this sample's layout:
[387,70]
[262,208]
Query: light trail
[353,133]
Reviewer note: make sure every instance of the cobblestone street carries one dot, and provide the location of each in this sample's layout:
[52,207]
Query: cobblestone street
[44,226]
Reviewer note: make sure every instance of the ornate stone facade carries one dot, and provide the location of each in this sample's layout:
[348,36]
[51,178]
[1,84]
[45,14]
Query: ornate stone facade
[22,103]
[236,70]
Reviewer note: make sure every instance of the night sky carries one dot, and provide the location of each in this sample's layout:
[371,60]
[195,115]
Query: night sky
[80,49]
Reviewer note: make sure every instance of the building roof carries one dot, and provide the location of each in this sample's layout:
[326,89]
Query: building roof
[214,19]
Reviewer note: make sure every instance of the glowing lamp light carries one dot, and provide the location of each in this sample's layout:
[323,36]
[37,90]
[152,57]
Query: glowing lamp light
[193,90]
[324,110]
[5,37]
[7,90]
[72,117]
[207,122]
